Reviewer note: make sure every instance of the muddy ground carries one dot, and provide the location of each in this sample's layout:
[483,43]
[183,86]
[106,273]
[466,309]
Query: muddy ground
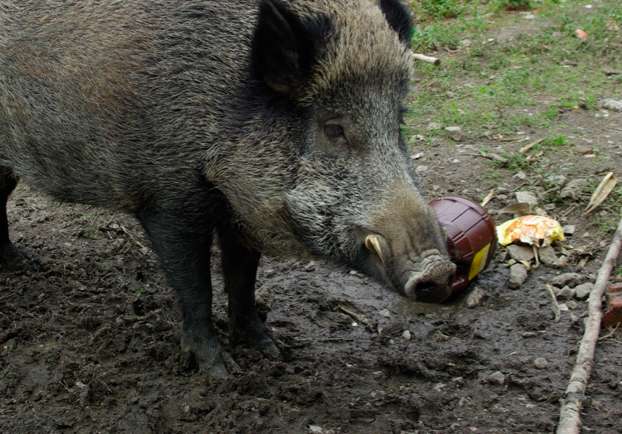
[89,343]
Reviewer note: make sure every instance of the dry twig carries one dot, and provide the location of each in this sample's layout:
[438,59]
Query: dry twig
[570,413]
[429,59]
[556,309]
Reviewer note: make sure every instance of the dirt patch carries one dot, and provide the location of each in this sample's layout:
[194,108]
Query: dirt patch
[89,343]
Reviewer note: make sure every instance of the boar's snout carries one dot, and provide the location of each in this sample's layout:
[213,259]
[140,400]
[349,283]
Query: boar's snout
[422,276]
[405,246]
[431,283]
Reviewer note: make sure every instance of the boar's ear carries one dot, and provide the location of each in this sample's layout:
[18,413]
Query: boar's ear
[285,47]
[399,17]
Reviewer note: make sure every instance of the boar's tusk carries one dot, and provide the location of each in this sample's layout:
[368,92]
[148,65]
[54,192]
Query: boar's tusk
[372,242]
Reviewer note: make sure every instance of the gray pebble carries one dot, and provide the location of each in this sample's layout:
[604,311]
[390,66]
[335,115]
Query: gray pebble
[518,275]
[583,291]
[540,363]
[564,293]
[571,279]
[497,378]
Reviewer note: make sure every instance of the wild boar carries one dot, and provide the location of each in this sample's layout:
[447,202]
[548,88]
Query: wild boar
[273,125]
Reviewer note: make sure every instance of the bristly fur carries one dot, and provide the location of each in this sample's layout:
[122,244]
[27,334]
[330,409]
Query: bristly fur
[173,106]
[363,48]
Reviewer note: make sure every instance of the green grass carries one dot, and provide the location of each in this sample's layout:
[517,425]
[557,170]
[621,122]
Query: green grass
[525,82]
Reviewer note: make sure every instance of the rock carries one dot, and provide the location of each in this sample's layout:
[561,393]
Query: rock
[574,189]
[556,180]
[434,126]
[572,279]
[549,257]
[526,197]
[583,291]
[475,297]
[570,229]
[572,305]
[496,378]
[315,429]
[611,104]
[385,313]
[520,253]
[518,275]
[455,133]
[406,335]
[520,175]
[421,169]
[564,293]
[310,267]
[541,363]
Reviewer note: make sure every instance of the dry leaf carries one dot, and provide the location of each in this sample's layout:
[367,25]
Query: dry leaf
[528,146]
[602,191]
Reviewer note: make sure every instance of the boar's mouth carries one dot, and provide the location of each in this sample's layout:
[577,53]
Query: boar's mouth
[423,278]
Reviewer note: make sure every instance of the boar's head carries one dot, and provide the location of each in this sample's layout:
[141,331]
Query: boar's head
[341,70]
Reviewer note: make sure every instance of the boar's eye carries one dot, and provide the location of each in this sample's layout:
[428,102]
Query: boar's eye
[334,131]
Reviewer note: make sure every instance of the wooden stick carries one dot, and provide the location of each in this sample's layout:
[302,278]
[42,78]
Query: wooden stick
[429,59]
[570,412]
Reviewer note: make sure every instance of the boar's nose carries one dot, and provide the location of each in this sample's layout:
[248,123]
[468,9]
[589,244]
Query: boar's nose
[431,284]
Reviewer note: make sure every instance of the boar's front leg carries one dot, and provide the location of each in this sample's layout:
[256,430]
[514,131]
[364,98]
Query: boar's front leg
[239,265]
[185,256]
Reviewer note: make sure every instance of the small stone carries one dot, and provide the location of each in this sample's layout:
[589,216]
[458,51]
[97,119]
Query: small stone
[571,279]
[581,292]
[434,126]
[315,429]
[564,293]
[421,169]
[574,189]
[518,275]
[611,104]
[549,257]
[270,272]
[556,180]
[520,253]
[385,313]
[455,133]
[406,335]
[496,378]
[520,175]
[572,305]
[526,197]
[310,267]
[570,229]
[475,297]
[541,363]
[453,129]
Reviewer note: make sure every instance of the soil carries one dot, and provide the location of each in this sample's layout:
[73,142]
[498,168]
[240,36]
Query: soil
[89,343]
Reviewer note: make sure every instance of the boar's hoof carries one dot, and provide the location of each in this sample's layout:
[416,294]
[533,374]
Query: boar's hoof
[12,259]
[255,336]
[207,357]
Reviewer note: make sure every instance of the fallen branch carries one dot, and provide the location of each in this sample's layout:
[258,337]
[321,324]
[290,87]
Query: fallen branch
[570,412]
[429,59]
